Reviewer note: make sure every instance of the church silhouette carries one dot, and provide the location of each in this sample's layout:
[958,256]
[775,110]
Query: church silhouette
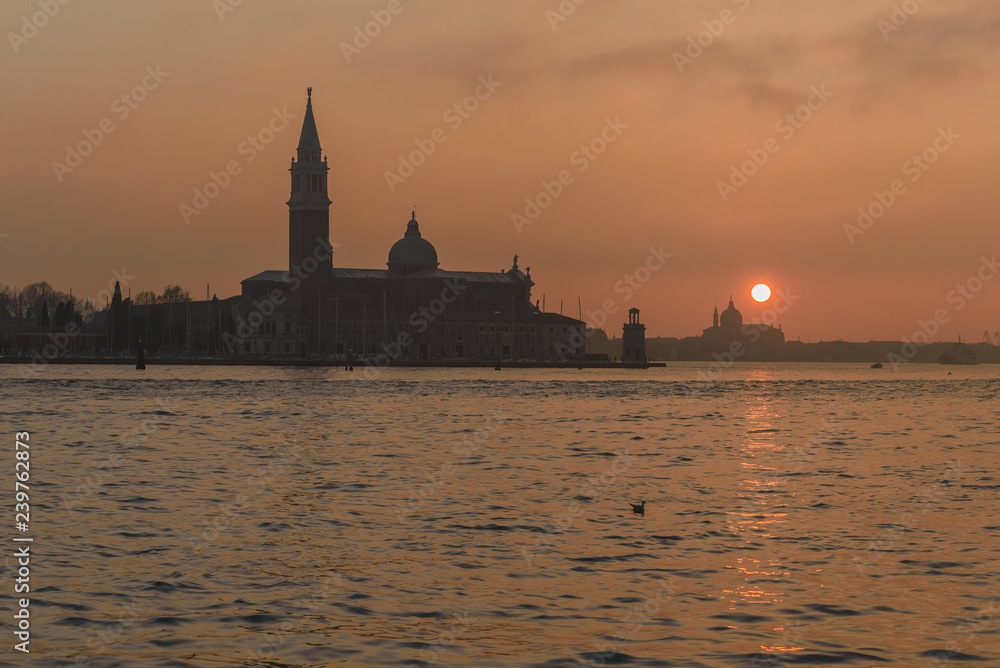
[411,310]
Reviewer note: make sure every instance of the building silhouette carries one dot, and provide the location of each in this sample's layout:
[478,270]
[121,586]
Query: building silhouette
[633,338]
[755,341]
[411,310]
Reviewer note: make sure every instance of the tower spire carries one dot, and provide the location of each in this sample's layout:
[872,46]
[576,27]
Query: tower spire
[309,139]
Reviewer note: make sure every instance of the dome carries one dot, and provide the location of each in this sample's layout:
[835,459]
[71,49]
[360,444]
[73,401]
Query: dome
[731,318]
[412,252]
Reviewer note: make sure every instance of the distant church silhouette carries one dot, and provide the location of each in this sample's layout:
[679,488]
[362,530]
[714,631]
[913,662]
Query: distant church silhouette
[760,341]
[410,310]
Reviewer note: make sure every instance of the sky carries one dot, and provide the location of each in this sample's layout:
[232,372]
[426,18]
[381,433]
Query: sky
[677,152]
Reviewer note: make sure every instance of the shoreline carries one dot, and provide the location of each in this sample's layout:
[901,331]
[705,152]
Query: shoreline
[332,363]
[120,361]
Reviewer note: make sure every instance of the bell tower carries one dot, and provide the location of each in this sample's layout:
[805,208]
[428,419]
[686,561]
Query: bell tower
[309,205]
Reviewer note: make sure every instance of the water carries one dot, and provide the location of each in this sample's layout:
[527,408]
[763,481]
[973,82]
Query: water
[795,515]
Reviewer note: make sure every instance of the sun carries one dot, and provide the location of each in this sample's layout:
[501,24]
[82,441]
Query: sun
[761,292]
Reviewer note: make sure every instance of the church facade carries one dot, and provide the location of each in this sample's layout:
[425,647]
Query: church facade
[411,310]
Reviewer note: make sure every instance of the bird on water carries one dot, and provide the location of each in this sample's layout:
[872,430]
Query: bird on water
[638,507]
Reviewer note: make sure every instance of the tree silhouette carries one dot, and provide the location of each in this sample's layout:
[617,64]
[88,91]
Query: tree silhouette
[146,297]
[174,294]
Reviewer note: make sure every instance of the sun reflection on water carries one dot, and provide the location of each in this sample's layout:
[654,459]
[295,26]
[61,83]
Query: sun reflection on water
[758,516]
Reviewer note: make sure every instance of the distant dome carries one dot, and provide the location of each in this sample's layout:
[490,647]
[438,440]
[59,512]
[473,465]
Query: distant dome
[412,252]
[731,318]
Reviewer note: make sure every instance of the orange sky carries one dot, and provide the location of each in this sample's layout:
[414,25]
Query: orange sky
[657,184]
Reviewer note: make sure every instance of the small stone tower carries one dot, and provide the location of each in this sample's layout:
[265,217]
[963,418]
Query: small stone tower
[633,339]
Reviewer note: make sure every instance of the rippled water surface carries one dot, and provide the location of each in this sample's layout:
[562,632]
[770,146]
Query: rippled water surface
[795,514]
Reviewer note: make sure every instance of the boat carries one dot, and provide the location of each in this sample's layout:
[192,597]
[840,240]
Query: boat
[959,354]
[877,365]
